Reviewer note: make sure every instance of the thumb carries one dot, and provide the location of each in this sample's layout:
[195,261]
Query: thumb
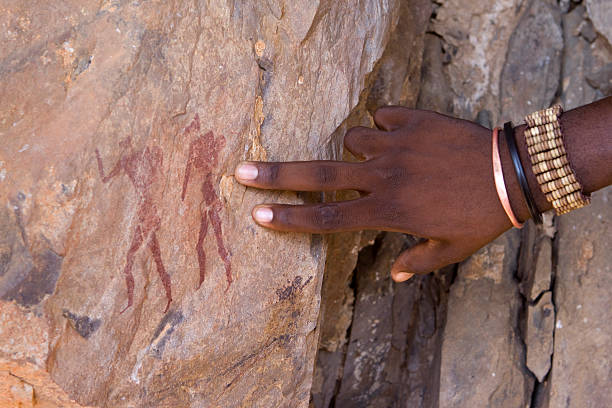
[422,258]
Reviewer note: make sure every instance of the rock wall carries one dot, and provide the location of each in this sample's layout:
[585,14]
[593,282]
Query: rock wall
[131,273]
[521,322]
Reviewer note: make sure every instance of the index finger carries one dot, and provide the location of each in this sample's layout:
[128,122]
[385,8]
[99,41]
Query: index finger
[319,175]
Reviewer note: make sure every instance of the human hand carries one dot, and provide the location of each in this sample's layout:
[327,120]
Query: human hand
[423,174]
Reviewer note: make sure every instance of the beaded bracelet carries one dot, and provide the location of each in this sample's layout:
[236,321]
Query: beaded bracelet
[544,138]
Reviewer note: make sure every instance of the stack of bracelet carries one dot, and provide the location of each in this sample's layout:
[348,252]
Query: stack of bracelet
[549,161]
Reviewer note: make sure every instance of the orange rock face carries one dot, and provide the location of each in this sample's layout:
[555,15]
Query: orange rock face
[130,269]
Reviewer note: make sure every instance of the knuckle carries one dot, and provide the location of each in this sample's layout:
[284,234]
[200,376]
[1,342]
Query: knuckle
[388,213]
[283,216]
[326,174]
[327,216]
[271,172]
[392,176]
[353,135]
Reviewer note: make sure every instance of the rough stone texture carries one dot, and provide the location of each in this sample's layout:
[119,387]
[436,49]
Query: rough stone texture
[396,330]
[575,87]
[395,79]
[365,373]
[476,66]
[598,58]
[533,75]
[535,269]
[121,122]
[342,258]
[436,92]
[587,69]
[535,274]
[540,328]
[600,12]
[582,364]
[24,344]
[542,269]
[19,341]
[483,356]
[153,87]
[482,353]
[336,312]
[601,80]
[476,36]
[25,385]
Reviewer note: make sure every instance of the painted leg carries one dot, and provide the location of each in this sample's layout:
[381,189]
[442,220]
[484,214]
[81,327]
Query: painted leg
[213,214]
[129,263]
[200,247]
[163,275]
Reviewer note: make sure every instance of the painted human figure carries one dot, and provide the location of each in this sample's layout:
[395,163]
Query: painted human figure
[141,167]
[203,155]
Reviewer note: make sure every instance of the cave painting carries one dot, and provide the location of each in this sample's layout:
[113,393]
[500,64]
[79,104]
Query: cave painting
[142,168]
[204,155]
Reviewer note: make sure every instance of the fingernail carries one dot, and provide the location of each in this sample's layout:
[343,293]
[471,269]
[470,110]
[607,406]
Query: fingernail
[246,171]
[403,276]
[263,214]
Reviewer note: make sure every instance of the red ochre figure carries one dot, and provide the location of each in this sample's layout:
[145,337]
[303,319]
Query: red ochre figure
[204,155]
[142,169]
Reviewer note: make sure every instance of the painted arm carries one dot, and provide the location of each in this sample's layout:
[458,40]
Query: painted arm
[115,171]
[190,161]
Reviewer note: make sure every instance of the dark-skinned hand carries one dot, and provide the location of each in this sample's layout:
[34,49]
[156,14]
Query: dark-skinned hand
[422,173]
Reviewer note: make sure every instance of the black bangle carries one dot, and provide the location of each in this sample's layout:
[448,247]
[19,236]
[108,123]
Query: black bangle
[520,174]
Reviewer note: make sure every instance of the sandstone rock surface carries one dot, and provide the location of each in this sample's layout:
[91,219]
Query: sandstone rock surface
[395,333]
[396,79]
[575,87]
[600,12]
[476,65]
[123,232]
[475,46]
[120,125]
[581,364]
[533,74]
[540,328]
[479,359]
[587,68]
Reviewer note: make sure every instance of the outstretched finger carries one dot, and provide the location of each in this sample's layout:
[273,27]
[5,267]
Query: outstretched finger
[322,175]
[340,216]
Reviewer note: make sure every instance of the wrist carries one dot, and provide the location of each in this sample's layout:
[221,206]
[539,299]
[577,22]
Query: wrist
[587,151]
[588,142]
[588,147]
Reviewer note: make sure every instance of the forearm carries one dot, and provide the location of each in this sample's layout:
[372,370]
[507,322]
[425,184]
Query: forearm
[587,136]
